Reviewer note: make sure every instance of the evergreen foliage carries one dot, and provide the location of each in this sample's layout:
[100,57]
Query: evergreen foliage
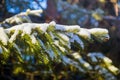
[54,51]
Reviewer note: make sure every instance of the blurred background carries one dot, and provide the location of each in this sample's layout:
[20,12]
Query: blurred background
[86,13]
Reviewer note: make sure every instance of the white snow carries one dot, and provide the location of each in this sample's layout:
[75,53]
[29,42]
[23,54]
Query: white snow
[113,69]
[13,37]
[3,37]
[18,20]
[64,37]
[33,39]
[84,33]
[99,33]
[35,12]
[56,42]
[27,27]
[76,55]
[98,30]
[74,28]
[107,60]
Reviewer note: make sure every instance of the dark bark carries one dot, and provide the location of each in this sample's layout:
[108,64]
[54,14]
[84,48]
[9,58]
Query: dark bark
[112,7]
